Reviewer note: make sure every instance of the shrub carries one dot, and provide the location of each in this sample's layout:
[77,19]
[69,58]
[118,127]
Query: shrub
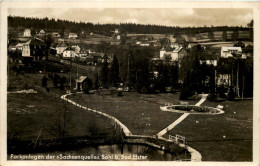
[144,90]
[185,93]
[231,93]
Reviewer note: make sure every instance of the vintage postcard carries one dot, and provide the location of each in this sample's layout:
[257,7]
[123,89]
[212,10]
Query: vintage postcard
[130,83]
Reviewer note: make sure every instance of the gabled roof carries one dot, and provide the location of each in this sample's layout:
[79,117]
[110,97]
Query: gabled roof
[62,44]
[209,57]
[90,57]
[69,49]
[74,46]
[81,78]
[97,55]
[35,41]
[177,49]
[74,34]
[19,45]
[231,48]
[42,31]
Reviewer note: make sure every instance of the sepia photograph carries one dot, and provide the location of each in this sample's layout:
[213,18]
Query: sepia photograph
[108,83]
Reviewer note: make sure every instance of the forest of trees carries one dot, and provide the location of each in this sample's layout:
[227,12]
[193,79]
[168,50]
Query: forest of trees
[61,25]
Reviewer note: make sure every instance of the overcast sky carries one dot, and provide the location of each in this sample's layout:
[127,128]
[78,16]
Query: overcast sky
[169,17]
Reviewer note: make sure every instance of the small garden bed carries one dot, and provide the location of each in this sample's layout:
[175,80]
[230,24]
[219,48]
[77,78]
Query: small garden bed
[192,109]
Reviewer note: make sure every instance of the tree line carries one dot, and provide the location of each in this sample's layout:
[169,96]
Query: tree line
[61,25]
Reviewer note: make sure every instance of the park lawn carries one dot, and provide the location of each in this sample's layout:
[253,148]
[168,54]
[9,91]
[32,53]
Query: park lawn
[139,112]
[206,136]
[27,114]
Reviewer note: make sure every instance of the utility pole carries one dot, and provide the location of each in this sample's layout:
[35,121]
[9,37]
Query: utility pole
[70,68]
[215,82]
[237,84]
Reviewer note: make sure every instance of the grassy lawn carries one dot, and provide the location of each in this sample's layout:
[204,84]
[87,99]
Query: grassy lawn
[29,113]
[45,113]
[206,136]
[137,111]
[140,113]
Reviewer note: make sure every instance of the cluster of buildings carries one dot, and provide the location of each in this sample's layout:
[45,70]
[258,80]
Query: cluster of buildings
[173,52]
[79,52]
[35,49]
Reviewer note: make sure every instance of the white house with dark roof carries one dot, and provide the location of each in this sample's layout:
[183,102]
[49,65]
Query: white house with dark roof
[172,54]
[73,35]
[35,49]
[19,46]
[27,33]
[69,53]
[56,35]
[42,33]
[227,52]
[61,47]
[209,59]
[76,48]
[80,83]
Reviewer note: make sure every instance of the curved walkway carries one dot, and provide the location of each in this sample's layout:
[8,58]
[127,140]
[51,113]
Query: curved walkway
[123,127]
[181,118]
[195,155]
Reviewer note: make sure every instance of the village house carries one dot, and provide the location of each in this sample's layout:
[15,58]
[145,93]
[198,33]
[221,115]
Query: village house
[27,33]
[90,59]
[69,53]
[209,59]
[34,49]
[83,53]
[117,31]
[138,42]
[56,35]
[73,36]
[97,57]
[191,45]
[223,80]
[81,82]
[144,44]
[12,47]
[90,51]
[227,52]
[76,48]
[41,34]
[61,47]
[174,45]
[172,54]
[19,46]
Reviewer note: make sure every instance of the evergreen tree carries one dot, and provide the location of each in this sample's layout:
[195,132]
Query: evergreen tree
[211,35]
[87,85]
[114,72]
[224,35]
[96,83]
[104,74]
[235,35]
[44,81]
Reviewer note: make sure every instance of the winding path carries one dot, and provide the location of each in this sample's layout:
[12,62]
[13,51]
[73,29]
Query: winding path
[126,131]
[195,155]
[181,118]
